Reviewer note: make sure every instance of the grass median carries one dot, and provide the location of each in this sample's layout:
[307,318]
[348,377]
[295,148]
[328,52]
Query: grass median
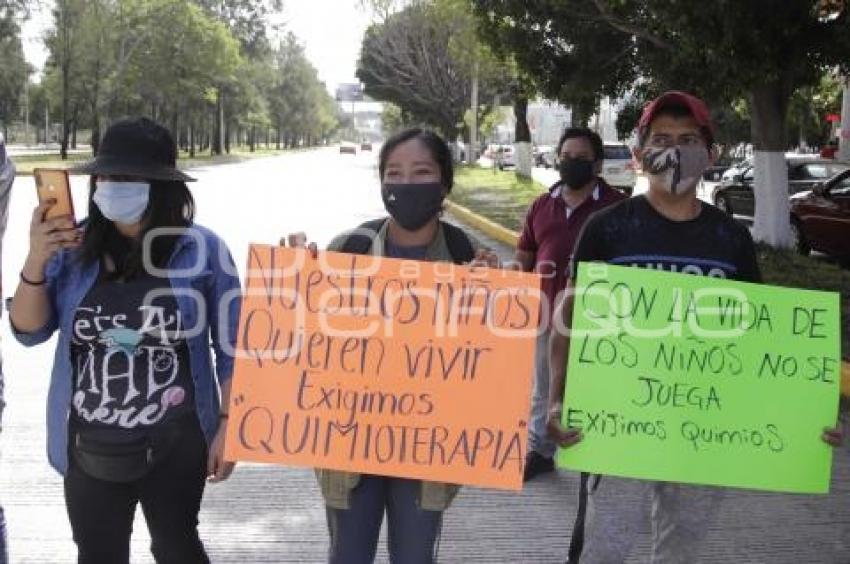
[500,196]
[792,270]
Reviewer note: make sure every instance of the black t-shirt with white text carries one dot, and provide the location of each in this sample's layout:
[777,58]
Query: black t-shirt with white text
[130,358]
[633,233]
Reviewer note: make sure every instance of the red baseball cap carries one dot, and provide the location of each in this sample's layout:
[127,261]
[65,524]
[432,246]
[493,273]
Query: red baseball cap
[697,107]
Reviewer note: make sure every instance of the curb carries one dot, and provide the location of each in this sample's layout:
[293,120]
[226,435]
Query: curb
[508,237]
[486,226]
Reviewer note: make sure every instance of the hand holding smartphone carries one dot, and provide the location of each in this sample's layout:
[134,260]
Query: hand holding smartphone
[53,184]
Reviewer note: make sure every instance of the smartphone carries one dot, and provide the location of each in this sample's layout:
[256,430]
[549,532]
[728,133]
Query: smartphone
[53,184]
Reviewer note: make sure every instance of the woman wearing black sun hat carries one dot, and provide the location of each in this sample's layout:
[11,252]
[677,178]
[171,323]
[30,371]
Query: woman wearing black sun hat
[140,296]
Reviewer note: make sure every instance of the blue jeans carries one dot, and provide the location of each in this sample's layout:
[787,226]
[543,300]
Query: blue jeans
[537,440]
[413,532]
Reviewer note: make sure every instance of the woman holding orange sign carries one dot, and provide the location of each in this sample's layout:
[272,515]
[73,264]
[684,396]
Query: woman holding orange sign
[416,173]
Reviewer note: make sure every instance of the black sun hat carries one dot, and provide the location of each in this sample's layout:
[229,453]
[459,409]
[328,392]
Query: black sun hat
[136,147]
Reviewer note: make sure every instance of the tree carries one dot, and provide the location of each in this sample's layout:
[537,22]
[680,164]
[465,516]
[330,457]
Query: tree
[808,109]
[762,51]
[67,17]
[204,68]
[14,70]
[155,57]
[484,56]
[414,60]
[393,119]
[247,21]
[406,60]
[301,108]
[574,60]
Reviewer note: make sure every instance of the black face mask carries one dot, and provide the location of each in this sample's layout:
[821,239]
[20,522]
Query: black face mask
[413,205]
[576,173]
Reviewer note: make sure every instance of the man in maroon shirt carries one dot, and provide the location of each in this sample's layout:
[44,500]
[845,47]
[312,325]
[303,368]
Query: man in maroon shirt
[551,228]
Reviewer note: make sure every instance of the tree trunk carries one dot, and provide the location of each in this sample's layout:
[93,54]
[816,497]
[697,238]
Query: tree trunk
[63,150]
[174,125]
[65,38]
[581,110]
[218,130]
[192,140]
[74,117]
[95,132]
[522,138]
[769,108]
[227,132]
[277,143]
[472,150]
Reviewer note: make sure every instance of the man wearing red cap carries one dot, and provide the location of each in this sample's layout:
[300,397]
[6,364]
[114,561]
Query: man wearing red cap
[669,229]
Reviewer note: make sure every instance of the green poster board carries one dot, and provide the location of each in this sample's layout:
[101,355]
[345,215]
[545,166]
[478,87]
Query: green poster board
[685,378]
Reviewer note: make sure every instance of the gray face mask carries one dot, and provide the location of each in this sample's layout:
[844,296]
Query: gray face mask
[678,169]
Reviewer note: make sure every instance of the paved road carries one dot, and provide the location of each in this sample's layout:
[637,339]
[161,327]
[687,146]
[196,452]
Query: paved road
[273,514]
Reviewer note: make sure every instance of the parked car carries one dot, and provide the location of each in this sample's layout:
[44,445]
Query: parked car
[365,146]
[737,168]
[618,167]
[544,156]
[735,196]
[505,157]
[346,148]
[714,173]
[820,218]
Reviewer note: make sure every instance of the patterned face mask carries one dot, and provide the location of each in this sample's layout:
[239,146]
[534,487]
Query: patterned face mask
[678,169]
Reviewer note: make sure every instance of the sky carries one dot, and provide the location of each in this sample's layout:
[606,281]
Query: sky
[330,30]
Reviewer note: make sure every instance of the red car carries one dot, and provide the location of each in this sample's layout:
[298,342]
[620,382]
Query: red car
[820,218]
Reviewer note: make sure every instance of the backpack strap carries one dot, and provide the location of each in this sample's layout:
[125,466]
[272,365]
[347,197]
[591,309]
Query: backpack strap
[460,247]
[358,241]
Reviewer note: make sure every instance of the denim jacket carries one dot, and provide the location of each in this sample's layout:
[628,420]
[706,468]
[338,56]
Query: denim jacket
[336,486]
[208,294]
[7,178]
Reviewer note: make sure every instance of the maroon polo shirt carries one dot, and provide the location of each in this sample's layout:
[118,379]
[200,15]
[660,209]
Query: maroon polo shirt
[551,230]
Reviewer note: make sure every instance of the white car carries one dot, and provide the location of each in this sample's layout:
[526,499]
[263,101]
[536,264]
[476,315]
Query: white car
[735,170]
[544,156]
[618,168]
[505,157]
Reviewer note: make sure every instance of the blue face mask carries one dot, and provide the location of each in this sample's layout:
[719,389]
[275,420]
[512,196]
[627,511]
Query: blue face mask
[122,202]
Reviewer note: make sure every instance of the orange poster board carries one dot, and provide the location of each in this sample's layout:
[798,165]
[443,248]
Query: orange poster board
[384,366]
